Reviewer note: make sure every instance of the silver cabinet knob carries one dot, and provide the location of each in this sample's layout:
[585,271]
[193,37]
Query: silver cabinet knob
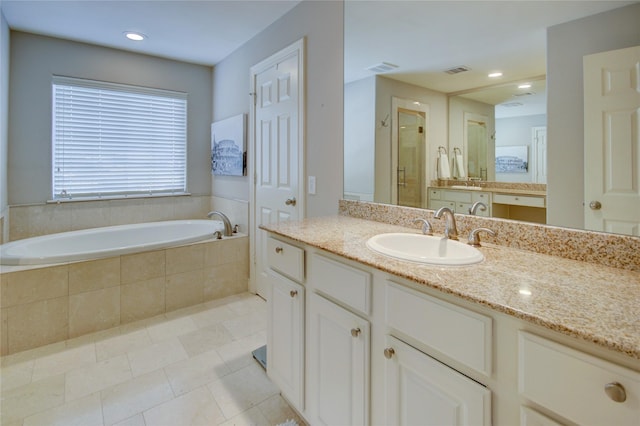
[355,332]
[279,249]
[616,392]
[595,205]
[389,352]
[291,201]
[293,293]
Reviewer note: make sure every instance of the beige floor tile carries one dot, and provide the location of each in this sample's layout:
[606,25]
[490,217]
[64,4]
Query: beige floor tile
[242,390]
[135,396]
[250,417]
[91,379]
[213,316]
[237,354]
[32,354]
[122,344]
[246,325]
[33,398]
[205,339]
[63,361]
[16,375]
[196,408]
[195,372]
[82,412]
[276,410]
[171,328]
[247,303]
[137,420]
[156,356]
[91,338]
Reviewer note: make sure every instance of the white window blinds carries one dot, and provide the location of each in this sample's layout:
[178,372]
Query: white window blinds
[115,140]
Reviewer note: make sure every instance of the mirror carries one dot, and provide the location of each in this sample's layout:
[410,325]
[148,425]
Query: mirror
[438,55]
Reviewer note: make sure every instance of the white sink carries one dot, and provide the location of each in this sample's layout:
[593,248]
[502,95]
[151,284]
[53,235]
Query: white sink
[472,188]
[425,249]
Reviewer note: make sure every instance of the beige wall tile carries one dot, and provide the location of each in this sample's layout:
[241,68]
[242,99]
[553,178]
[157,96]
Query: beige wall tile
[224,280]
[18,223]
[184,289]
[226,251]
[142,299]
[92,214]
[94,311]
[94,275]
[142,266]
[186,258]
[4,332]
[37,324]
[34,285]
[49,219]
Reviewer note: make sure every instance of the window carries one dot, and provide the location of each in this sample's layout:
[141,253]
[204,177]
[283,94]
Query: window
[112,140]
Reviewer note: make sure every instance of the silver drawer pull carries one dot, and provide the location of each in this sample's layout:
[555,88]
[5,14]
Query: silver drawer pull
[293,293]
[389,352]
[355,332]
[616,392]
[279,249]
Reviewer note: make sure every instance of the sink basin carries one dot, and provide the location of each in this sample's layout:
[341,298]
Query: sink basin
[472,188]
[425,249]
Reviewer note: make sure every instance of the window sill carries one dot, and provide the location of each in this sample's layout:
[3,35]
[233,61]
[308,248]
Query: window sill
[117,197]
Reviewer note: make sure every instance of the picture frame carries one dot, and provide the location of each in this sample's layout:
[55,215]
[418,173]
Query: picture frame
[512,159]
[228,146]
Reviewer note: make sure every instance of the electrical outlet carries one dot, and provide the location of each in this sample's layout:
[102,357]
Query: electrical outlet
[311,183]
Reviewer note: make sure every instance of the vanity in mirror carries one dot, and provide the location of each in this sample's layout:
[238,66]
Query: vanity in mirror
[427,126]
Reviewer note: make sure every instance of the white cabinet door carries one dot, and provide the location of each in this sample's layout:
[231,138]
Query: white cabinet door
[422,391]
[338,345]
[285,346]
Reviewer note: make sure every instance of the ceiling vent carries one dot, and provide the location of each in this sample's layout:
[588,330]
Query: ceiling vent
[517,95]
[457,70]
[382,67]
[511,104]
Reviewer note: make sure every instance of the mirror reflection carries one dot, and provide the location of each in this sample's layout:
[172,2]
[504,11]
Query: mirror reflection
[443,109]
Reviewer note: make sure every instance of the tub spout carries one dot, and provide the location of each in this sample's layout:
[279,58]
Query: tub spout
[228,231]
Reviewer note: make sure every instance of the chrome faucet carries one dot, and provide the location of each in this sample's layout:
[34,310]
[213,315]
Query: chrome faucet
[450,229]
[427,229]
[474,236]
[473,210]
[228,231]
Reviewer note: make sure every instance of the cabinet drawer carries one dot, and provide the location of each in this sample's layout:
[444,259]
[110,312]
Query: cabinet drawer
[519,200]
[285,258]
[485,197]
[348,285]
[434,194]
[460,334]
[463,196]
[572,383]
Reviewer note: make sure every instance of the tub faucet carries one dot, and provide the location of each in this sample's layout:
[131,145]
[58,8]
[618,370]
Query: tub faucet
[228,231]
[450,229]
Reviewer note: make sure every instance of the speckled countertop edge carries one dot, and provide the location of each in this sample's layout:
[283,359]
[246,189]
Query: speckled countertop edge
[592,302]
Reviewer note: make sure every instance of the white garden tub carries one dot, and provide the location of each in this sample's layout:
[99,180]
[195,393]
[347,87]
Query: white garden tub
[105,242]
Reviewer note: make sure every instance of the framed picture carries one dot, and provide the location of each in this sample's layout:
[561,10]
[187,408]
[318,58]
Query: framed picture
[512,159]
[228,144]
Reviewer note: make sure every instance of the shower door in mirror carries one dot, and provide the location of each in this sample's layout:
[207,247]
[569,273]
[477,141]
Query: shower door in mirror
[411,152]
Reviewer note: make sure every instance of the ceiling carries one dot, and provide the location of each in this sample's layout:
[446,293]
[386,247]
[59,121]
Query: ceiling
[201,32]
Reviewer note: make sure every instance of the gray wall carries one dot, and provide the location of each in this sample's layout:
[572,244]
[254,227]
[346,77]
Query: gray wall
[321,22]
[518,131]
[34,59]
[4,116]
[566,45]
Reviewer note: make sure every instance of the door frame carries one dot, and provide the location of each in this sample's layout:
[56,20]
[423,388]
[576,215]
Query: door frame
[534,166]
[299,47]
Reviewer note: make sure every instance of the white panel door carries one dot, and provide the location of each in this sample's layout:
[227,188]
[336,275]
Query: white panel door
[612,141]
[422,391]
[338,345]
[277,151]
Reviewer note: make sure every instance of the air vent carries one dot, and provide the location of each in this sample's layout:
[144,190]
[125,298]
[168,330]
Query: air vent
[457,70]
[382,67]
[511,104]
[517,95]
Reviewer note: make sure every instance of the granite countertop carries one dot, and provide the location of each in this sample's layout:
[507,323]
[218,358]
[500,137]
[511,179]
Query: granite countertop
[592,302]
[507,191]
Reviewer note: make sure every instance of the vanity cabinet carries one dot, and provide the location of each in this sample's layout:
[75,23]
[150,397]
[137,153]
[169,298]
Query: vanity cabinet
[459,200]
[286,313]
[419,390]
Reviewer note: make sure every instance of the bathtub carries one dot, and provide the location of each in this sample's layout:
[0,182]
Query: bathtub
[105,242]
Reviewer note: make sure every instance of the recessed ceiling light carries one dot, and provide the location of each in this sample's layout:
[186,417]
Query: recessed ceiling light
[132,35]
[495,75]
[524,86]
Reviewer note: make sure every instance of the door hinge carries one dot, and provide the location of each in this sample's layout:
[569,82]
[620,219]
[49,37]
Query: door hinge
[254,96]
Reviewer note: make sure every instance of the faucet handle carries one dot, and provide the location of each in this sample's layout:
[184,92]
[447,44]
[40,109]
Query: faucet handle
[474,236]
[427,229]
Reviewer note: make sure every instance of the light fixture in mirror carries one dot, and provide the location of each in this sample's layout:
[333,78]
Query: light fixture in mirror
[426,38]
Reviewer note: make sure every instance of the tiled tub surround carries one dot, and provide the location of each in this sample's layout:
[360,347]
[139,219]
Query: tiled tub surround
[47,304]
[594,303]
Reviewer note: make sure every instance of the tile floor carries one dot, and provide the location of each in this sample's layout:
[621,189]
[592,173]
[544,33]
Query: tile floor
[188,367]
